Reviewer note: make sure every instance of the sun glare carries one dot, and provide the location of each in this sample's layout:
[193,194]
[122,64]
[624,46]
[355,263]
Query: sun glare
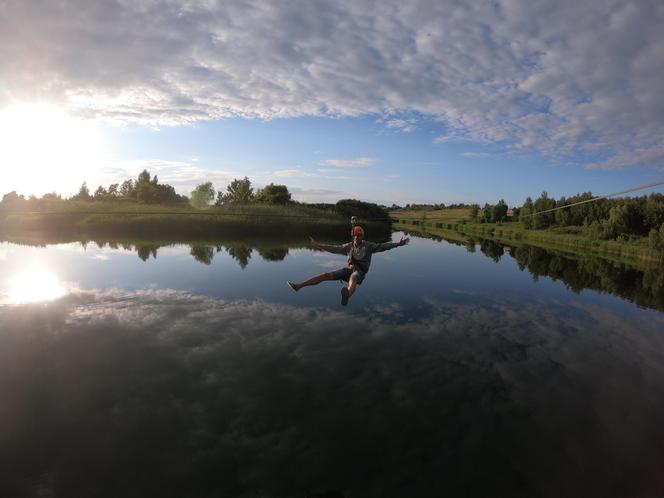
[45,149]
[34,285]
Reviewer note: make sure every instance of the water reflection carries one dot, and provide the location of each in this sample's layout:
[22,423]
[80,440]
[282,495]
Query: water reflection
[642,285]
[167,393]
[31,285]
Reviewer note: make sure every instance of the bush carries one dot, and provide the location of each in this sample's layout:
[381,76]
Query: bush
[363,210]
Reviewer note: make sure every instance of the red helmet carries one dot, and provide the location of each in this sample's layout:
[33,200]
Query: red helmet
[358,231]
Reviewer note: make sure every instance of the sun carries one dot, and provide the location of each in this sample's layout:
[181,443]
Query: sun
[44,149]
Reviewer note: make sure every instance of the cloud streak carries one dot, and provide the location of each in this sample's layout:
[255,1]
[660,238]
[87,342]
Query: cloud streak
[360,162]
[569,78]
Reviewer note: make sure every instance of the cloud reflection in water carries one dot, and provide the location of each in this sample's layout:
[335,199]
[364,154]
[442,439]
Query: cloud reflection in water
[166,393]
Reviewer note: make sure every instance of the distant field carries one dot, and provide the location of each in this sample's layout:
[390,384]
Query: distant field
[435,216]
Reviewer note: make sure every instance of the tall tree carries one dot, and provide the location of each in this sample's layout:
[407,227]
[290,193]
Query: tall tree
[83,193]
[127,190]
[144,177]
[525,215]
[273,194]
[499,211]
[100,194]
[202,195]
[239,191]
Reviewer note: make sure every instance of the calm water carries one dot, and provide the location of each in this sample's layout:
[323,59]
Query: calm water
[458,369]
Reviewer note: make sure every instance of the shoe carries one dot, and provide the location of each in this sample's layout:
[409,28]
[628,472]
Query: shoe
[292,286]
[344,296]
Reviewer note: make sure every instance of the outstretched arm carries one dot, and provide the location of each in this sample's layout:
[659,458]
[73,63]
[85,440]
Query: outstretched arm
[343,249]
[386,246]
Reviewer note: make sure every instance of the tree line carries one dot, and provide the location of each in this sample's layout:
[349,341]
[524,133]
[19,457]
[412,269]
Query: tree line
[146,189]
[622,218]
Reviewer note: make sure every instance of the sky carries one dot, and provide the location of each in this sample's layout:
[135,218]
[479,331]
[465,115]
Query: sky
[392,101]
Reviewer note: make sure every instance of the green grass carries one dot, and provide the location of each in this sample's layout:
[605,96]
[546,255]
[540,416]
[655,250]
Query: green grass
[561,239]
[154,221]
[434,216]
[571,239]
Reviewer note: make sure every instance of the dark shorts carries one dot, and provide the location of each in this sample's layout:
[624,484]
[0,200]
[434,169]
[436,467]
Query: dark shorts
[345,274]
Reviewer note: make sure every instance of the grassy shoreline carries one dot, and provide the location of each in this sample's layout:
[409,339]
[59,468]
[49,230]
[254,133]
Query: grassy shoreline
[458,220]
[154,221]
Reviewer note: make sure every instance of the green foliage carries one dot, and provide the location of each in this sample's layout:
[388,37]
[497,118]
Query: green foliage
[83,193]
[202,254]
[100,194]
[363,210]
[604,219]
[544,220]
[273,194]
[643,286]
[128,190]
[12,198]
[202,195]
[499,212]
[527,210]
[239,191]
[144,177]
[486,213]
[147,193]
[656,238]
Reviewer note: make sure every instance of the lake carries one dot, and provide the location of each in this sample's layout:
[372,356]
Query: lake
[459,368]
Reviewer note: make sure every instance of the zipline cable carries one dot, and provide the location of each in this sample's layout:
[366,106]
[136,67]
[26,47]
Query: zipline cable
[635,189]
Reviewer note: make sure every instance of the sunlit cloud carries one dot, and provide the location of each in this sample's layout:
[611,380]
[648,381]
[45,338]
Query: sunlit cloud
[561,78]
[293,173]
[360,162]
[182,175]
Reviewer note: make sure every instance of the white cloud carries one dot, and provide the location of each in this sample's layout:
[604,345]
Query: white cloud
[291,173]
[475,154]
[405,125]
[317,194]
[561,78]
[360,162]
[182,175]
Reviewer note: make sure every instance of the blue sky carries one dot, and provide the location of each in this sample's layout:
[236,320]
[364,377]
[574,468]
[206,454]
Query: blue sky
[391,101]
[398,167]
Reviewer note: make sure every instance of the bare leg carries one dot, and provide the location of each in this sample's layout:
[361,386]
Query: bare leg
[352,285]
[313,281]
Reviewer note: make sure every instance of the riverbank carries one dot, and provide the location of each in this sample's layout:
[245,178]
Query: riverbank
[512,232]
[93,219]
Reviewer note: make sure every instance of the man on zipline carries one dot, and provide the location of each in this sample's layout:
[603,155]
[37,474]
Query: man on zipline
[359,254]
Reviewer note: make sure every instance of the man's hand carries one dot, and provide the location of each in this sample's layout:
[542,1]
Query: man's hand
[404,241]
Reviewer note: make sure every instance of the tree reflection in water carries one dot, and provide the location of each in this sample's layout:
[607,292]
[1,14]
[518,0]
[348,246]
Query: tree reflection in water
[644,287]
